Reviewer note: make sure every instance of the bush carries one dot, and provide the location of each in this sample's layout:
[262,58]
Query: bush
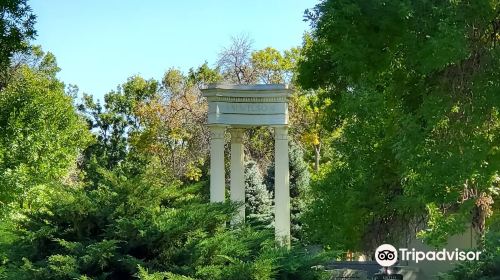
[259,202]
[488,266]
[138,228]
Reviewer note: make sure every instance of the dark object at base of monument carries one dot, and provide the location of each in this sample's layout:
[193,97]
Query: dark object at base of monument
[387,277]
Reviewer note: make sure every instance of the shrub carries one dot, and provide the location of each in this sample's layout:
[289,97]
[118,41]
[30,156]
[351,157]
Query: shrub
[488,266]
[129,228]
[259,203]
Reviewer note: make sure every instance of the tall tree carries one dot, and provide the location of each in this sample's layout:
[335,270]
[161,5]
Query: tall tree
[204,75]
[273,67]
[114,124]
[16,29]
[41,134]
[307,118]
[258,202]
[414,85]
[234,61]
[174,123]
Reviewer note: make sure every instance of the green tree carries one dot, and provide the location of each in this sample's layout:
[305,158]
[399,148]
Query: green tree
[114,124]
[16,29]
[259,201]
[204,75]
[41,134]
[415,110]
[149,119]
[272,67]
[307,112]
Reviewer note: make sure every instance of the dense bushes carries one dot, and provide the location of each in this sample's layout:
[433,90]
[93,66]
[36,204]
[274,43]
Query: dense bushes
[488,266]
[138,227]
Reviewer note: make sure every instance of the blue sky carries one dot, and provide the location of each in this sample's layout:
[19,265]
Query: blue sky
[99,43]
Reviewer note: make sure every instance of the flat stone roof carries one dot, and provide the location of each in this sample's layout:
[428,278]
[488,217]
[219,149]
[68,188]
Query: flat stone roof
[257,87]
[255,91]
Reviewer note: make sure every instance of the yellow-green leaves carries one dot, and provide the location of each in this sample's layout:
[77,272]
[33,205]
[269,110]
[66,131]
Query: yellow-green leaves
[41,134]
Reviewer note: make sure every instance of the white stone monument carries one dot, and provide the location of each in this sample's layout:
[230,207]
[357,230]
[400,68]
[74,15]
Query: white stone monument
[237,107]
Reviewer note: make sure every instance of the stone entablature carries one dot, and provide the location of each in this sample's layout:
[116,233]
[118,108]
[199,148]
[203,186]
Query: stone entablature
[247,105]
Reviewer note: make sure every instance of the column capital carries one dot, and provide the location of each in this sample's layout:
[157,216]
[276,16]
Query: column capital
[281,132]
[237,135]
[217,131]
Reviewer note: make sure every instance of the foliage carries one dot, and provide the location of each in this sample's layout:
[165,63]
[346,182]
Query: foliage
[147,119]
[130,226]
[259,146]
[259,201]
[41,135]
[112,200]
[272,67]
[414,108]
[113,124]
[204,75]
[299,186]
[488,266]
[174,123]
[240,64]
[16,29]
[307,115]
[359,187]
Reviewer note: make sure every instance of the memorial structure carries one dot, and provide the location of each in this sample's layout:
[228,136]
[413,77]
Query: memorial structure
[236,108]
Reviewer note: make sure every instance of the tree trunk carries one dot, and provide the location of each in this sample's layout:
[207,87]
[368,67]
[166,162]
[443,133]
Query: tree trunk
[317,150]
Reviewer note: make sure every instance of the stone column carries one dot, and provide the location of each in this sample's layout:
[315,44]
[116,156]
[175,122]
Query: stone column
[281,186]
[217,174]
[237,173]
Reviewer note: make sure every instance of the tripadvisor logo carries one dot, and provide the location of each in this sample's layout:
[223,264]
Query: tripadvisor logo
[387,255]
